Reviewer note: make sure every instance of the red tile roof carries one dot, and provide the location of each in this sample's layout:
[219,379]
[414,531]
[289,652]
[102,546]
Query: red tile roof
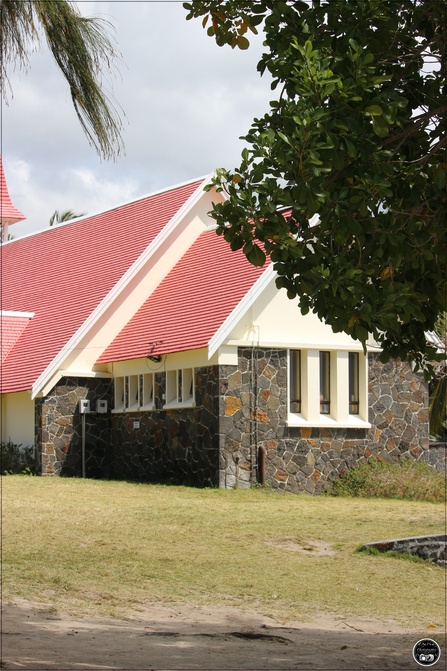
[62,274]
[12,327]
[190,304]
[8,213]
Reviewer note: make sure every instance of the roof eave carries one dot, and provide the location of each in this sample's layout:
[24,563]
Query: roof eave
[241,308]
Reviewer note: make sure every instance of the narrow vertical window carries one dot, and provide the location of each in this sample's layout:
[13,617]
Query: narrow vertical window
[187,388]
[133,400]
[354,383]
[148,390]
[325,383]
[126,392]
[171,386]
[295,380]
[119,393]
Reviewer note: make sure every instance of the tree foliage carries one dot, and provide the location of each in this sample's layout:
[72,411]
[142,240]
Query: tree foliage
[83,51]
[355,135]
[438,385]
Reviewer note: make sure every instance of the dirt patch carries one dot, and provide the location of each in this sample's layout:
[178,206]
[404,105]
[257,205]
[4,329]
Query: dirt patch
[186,638]
[309,547]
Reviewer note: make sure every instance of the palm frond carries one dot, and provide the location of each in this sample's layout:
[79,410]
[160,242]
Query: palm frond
[59,217]
[82,49]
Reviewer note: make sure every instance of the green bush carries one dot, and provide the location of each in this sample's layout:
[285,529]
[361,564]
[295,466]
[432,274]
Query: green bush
[16,459]
[406,479]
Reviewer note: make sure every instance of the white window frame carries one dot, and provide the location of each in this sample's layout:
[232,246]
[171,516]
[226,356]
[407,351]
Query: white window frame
[120,393]
[339,415]
[134,392]
[295,382]
[354,382]
[147,391]
[180,388]
[325,377]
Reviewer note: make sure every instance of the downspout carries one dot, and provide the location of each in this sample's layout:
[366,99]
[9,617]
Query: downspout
[83,444]
[254,379]
[261,465]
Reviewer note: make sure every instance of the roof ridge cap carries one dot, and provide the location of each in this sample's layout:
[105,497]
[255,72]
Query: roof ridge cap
[48,229]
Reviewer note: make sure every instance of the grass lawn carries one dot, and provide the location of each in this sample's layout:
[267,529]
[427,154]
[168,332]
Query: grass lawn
[101,547]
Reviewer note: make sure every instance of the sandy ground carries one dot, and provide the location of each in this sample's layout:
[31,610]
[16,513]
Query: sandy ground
[184,638]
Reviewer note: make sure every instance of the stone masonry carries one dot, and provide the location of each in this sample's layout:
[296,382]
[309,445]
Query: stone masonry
[432,548]
[180,445]
[254,420]
[59,428]
[238,419]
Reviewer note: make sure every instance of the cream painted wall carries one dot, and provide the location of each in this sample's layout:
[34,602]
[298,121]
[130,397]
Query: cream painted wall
[275,320]
[189,359]
[18,418]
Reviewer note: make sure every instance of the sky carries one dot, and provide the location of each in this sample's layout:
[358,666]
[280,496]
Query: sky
[185,103]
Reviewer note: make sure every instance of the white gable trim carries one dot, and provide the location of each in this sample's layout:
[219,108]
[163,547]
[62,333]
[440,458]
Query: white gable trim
[14,313]
[241,308]
[161,239]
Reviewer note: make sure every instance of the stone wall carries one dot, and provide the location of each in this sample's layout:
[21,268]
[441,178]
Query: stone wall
[432,548]
[254,420]
[59,428]
[180,444]
[240,415]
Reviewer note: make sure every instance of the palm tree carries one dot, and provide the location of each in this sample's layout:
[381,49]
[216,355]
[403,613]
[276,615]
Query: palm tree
[83,51]
[58,217]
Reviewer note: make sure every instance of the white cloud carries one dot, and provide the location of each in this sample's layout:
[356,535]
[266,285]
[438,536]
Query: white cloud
[186,101]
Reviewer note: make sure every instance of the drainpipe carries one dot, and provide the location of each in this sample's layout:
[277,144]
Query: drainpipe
[261,465]
[254,390]
[84,408]
[83,444]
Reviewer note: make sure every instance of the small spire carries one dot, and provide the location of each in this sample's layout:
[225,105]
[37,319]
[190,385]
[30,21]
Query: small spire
[8,213]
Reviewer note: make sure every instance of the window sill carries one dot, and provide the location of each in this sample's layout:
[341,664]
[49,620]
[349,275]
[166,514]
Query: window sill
[134,408]
[175,405]
[325,421]
[147,407]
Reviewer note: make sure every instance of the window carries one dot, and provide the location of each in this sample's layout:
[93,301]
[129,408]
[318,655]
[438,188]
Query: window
[295,381]
[147,391]
[328,388]
[186,385]
[325,383]
[120,396]
[133,398]
[134,392]
[180,387]
[354,383]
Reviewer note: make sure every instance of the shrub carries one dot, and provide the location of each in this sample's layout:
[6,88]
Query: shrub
[406,479]
[16,459]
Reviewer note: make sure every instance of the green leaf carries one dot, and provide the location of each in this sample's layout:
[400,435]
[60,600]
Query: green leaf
[374,110]
[380,126]
[350,148]
[242,42]
[284,138]
[256,256]
[308,48]
[353,44]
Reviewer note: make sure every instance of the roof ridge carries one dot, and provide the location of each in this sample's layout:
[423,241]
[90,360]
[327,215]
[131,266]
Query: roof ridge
[90,215]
